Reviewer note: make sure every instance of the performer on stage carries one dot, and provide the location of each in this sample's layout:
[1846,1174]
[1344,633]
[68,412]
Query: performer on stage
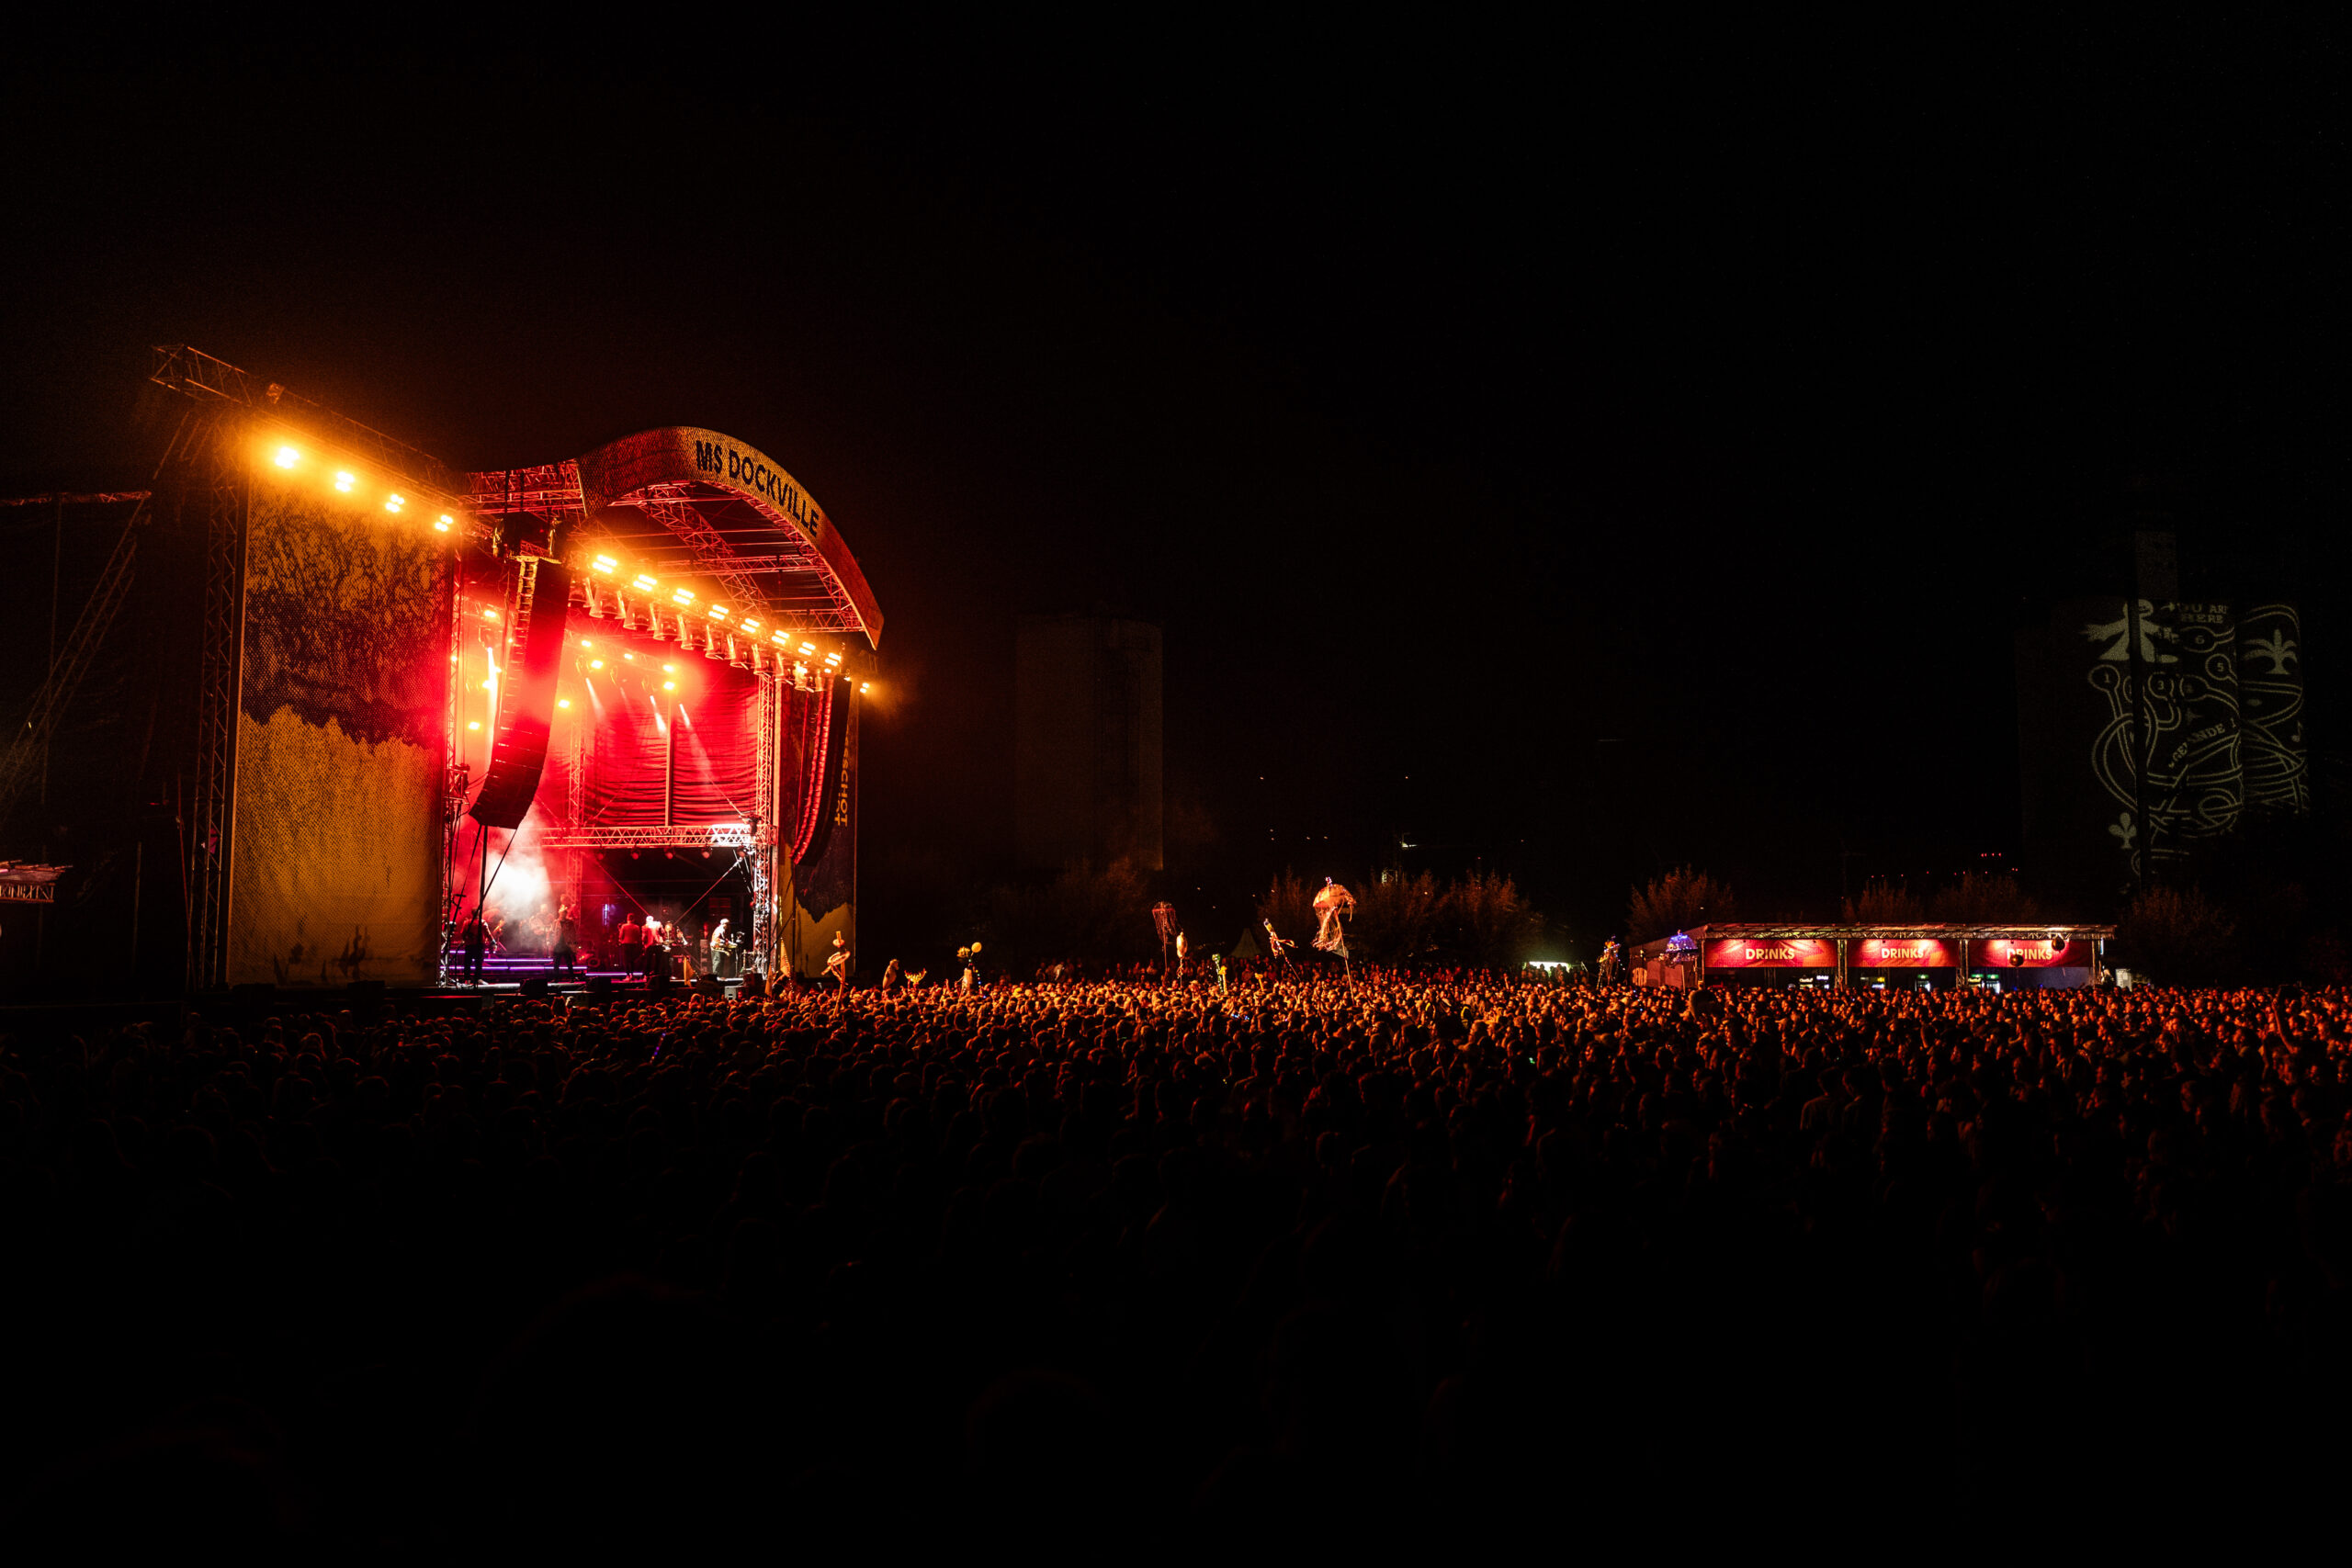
[632,937]
[1332,906]
[1609,961]
[477,939]
[567,939]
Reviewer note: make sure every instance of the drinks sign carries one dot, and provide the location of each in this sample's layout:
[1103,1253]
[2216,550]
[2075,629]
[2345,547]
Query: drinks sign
[1873,953]
[1796,953]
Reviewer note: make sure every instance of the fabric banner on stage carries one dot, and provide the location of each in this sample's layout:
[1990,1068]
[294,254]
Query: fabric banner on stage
[335,871]
[1741,953]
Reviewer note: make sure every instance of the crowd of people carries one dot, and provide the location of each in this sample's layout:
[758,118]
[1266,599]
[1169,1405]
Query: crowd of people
[1394,1254]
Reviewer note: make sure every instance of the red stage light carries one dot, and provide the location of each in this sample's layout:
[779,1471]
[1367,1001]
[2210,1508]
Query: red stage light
[490,615]
[669,685]
[473,724]
[343,482]
[595,664]
[443,527]
[563,702]
[288,457]
[605,563]
[394,501]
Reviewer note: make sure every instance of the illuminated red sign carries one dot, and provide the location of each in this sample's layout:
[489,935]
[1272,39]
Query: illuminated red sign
[1999,954]
[1875,952]
[1742,952]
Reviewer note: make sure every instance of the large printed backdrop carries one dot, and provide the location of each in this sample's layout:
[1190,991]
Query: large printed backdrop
[334,874]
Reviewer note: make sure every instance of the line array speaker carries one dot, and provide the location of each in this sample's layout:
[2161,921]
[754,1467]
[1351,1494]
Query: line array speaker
[526,708]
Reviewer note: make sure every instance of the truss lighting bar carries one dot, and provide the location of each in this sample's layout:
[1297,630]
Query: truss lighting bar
[291,459]
[720,836]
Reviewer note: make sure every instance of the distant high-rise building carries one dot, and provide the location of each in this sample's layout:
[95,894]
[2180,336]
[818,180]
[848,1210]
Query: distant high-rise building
[1086,741]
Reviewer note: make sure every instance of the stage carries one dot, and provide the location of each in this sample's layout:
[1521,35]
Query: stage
[614,689]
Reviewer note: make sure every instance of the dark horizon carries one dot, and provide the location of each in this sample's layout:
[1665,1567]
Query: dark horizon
[1575,479]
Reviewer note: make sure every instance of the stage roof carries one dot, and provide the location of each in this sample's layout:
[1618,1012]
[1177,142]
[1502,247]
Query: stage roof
[682,502]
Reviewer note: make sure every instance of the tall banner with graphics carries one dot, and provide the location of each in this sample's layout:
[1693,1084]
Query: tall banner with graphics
[2218,728]
[2270,710]
[2075,711]
[821,899]
[336,869]
[2195,786]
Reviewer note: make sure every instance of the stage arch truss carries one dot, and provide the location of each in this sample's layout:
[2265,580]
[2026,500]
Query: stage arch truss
[683,501]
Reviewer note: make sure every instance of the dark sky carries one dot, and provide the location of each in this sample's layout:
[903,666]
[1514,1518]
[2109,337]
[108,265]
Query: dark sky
[1573,453]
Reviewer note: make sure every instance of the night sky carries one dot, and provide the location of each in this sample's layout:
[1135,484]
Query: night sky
[1571,454]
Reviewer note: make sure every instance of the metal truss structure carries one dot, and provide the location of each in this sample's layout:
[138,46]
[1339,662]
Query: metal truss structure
[764,900]
[208,380]
[673,506]
[760,557]
[215,488]
[71,662]
[711,836]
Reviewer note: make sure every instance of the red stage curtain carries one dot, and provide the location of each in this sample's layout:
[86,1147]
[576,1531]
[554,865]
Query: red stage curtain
[717,762]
